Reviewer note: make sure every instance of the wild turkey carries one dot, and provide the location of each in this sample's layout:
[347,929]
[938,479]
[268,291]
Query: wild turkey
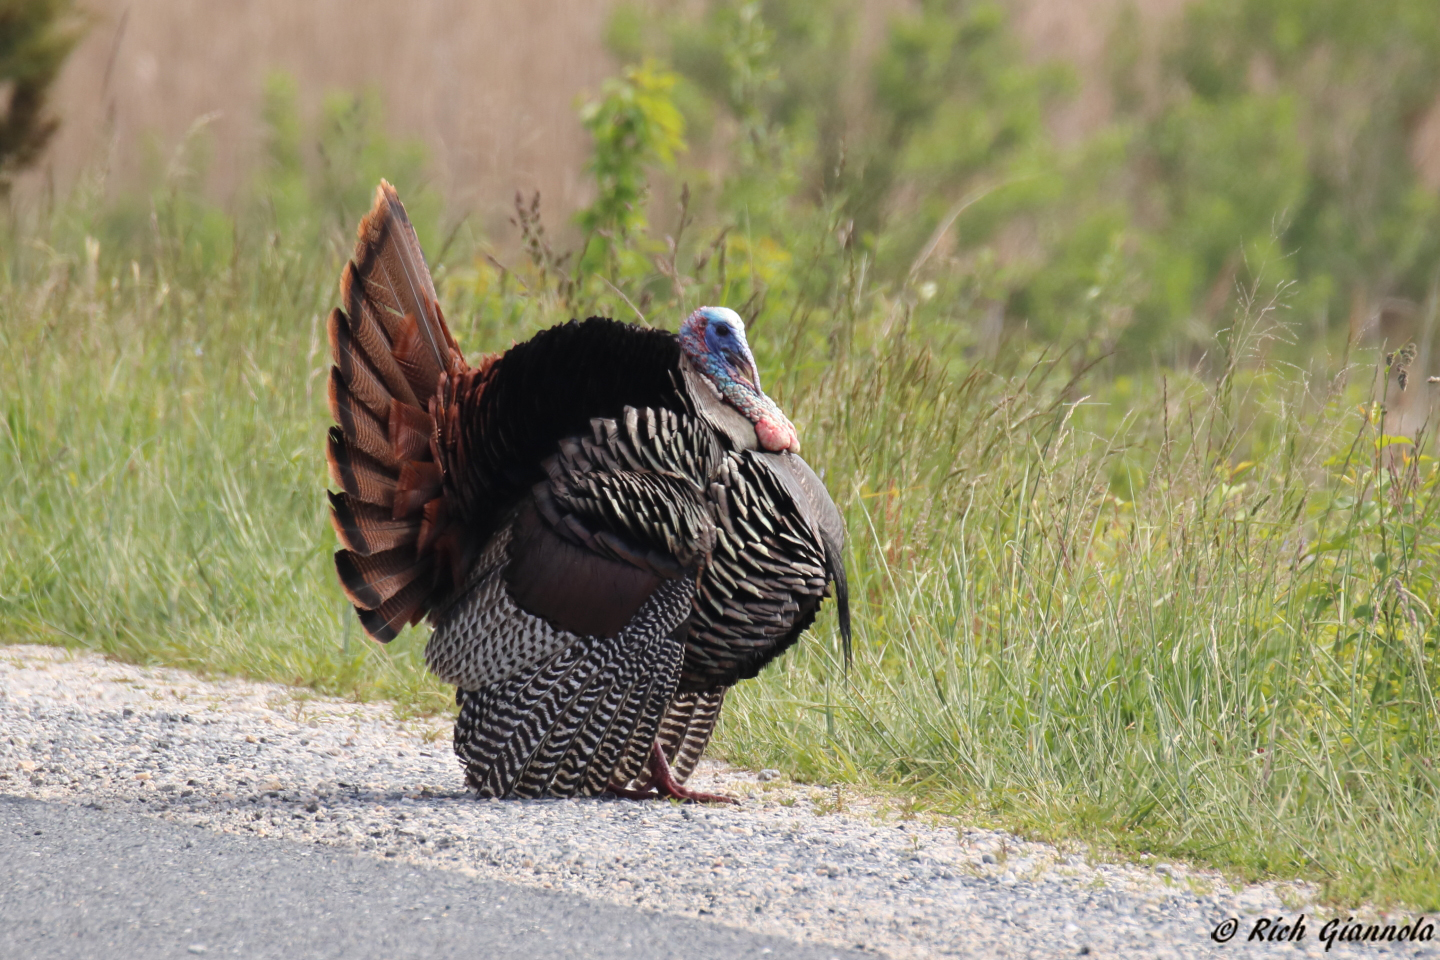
[606,525]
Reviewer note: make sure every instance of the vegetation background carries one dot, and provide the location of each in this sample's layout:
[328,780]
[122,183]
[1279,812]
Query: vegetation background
[1115,361]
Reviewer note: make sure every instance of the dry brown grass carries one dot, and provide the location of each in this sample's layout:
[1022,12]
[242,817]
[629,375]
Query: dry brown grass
[1078,33]
[490,87]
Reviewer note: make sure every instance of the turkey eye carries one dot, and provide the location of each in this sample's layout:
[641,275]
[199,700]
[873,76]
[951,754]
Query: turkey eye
[721,330]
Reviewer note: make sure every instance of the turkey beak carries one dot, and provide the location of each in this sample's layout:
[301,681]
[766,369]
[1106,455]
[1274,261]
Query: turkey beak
[745,369]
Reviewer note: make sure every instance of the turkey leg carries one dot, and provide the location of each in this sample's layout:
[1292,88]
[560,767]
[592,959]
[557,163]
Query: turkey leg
[664,784]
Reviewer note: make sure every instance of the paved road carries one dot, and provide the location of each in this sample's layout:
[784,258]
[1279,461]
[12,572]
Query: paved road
[82,883]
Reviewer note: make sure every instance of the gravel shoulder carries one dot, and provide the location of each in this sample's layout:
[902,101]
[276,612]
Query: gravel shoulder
[264,760]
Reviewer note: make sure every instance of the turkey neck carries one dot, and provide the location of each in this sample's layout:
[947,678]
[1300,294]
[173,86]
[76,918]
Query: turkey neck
[728,422]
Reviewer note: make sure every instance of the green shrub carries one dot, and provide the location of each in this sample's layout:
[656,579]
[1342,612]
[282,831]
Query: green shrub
[1275,145]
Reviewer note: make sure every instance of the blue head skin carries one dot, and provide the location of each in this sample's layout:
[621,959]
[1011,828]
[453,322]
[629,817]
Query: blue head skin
[714,340]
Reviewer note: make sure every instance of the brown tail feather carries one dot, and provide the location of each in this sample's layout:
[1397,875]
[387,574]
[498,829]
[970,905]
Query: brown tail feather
[370,581]
[359,475]
[405,608]
[360,427]
[372,337]
[390,266]
[365,529]
[410,431]
[419,483]
[413,354]
[391,352]
[363,379]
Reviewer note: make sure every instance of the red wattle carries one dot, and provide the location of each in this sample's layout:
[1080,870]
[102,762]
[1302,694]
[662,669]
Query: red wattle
[776,437]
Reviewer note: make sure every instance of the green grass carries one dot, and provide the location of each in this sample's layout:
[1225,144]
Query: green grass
[1184,612]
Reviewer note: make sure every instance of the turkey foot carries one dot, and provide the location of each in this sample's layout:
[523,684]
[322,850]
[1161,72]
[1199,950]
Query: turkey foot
[663,784]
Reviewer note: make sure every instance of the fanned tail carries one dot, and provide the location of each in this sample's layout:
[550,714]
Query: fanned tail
[392,353]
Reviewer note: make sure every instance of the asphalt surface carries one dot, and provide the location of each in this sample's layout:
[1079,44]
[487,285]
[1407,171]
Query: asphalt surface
[77,882]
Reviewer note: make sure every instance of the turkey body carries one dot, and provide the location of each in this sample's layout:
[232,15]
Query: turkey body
[600,540]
